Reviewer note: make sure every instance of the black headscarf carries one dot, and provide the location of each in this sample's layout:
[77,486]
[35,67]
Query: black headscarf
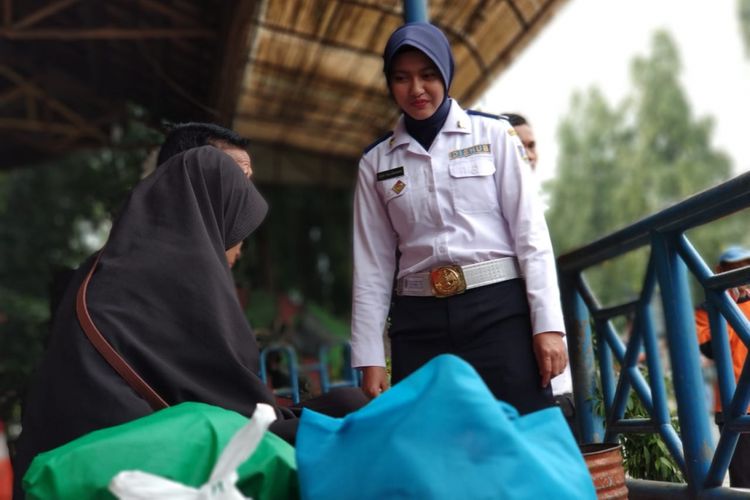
[429,40]
[163,295]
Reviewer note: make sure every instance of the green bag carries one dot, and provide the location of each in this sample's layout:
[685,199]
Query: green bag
[181,443]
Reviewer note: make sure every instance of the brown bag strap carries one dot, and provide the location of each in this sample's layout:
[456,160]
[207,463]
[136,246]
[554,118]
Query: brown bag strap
[107,351]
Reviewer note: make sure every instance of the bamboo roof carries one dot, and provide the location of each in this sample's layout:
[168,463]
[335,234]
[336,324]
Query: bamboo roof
[297,75]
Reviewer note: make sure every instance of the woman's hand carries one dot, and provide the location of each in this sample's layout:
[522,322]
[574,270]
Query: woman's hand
[551,355]
[374,380]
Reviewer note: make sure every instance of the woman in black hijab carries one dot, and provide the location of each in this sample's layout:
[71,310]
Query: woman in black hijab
[161,294]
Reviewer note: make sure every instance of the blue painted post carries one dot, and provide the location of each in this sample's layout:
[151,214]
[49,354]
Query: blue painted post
[583,368]
[606,366]
[685,358]
[415,11]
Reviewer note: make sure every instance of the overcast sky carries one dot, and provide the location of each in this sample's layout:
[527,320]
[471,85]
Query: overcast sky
[591,42]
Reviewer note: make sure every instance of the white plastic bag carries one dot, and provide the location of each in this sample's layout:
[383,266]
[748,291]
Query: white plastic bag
[139,485]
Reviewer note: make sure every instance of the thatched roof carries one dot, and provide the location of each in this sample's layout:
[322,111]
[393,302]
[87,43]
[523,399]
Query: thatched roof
[296,75]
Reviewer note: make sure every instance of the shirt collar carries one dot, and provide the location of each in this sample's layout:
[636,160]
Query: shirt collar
[457,122]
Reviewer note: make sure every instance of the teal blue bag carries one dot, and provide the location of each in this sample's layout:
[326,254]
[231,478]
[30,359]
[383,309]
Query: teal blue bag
[440,433]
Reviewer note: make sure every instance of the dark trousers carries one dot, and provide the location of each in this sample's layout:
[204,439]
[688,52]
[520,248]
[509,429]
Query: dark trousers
[489,327]
[337,403]
[739,466]
[568,409]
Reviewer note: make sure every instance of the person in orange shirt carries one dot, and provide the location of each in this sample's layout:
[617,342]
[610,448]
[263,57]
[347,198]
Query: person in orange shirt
[733,258]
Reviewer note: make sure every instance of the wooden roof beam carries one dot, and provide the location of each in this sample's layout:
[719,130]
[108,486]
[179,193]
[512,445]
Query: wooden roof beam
[234,53]
[11,95]
[176,86]
[320,79]
[374,6]
[106,34]
[43,13]
[18,124]
[480,84]
[55,7]
[7,13]
[518,14]
[466,42]
[52,103]
[312,38]
[159,7]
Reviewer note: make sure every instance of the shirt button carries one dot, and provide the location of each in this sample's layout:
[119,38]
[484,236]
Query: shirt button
[431,189]
[474,170]
[441,248]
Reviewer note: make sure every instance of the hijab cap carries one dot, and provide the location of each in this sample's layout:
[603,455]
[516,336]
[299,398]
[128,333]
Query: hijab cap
[428,39]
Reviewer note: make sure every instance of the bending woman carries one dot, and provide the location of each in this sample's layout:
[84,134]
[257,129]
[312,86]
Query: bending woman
[446,203]
[162,295]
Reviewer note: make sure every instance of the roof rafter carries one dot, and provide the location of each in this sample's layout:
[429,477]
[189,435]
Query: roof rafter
[38,96]
[105,34]
[545,10]
[312,38]
[43,13]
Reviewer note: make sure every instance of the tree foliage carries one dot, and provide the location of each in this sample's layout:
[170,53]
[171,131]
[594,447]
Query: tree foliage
[50,218]
[744,14]
[621,163]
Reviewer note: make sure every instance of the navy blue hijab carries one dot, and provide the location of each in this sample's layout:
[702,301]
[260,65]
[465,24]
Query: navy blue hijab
[429,40]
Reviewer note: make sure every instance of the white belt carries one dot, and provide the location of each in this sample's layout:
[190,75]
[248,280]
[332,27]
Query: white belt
[444,281]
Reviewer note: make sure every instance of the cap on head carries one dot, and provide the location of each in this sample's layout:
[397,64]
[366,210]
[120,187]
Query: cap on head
[426,38]
[734,254]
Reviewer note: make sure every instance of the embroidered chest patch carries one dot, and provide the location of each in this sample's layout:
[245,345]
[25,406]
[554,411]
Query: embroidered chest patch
[398,187]
[471,150]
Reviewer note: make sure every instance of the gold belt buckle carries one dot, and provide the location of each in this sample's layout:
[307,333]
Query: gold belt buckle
[447,281]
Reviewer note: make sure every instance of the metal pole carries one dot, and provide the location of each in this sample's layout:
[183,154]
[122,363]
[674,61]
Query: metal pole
[685,357]
[583,369]
[415,11]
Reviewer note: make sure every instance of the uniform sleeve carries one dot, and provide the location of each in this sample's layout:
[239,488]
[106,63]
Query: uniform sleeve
[523,210]
[374,266]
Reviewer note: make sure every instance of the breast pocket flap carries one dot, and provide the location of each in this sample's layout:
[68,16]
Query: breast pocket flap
[474,168]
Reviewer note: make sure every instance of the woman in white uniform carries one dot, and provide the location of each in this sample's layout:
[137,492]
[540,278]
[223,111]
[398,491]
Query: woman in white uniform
[446,203]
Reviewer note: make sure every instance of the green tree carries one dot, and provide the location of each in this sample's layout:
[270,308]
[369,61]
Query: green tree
[51,217]
[587,170]
[621,163]
[744,14]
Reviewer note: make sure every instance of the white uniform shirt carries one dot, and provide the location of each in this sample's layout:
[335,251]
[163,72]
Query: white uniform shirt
[470,198]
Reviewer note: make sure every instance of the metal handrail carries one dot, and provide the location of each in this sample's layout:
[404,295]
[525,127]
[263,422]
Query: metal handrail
[290,358]
[671,257]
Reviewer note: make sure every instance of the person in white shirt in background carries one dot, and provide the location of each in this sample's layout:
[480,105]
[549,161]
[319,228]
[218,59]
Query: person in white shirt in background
[562,385]
[448,204]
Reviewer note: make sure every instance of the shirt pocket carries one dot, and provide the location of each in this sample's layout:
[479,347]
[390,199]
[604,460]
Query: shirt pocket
[473,186]
[397,195]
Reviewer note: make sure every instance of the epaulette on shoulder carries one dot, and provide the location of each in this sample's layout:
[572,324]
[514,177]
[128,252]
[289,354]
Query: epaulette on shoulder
[377,141]
[482,113]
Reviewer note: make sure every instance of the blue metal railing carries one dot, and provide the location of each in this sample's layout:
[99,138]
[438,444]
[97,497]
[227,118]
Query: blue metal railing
[671,258]
[350,376]
[288,356]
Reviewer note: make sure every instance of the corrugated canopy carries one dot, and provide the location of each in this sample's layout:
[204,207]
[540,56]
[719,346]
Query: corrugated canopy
[297,75]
